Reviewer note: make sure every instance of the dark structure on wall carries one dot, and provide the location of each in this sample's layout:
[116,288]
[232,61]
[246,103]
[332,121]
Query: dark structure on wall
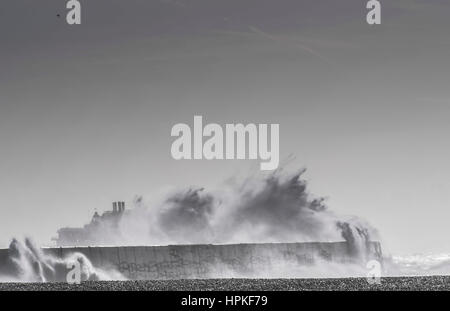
[90,233]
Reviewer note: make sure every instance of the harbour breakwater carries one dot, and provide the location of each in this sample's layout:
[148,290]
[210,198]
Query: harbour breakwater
[213,261]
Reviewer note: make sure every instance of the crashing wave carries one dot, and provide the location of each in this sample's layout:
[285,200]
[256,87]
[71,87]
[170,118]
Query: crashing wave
[28,263]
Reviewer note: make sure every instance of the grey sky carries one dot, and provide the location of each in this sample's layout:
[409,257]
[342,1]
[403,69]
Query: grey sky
[86,111]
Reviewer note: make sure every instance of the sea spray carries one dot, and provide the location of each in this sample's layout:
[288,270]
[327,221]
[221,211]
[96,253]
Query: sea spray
[273,208]
[261,208]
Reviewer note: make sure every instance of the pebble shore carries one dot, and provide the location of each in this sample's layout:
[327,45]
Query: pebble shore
[347,284]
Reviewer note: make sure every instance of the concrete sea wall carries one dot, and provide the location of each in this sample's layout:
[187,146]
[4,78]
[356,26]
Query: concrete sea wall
[209,261]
